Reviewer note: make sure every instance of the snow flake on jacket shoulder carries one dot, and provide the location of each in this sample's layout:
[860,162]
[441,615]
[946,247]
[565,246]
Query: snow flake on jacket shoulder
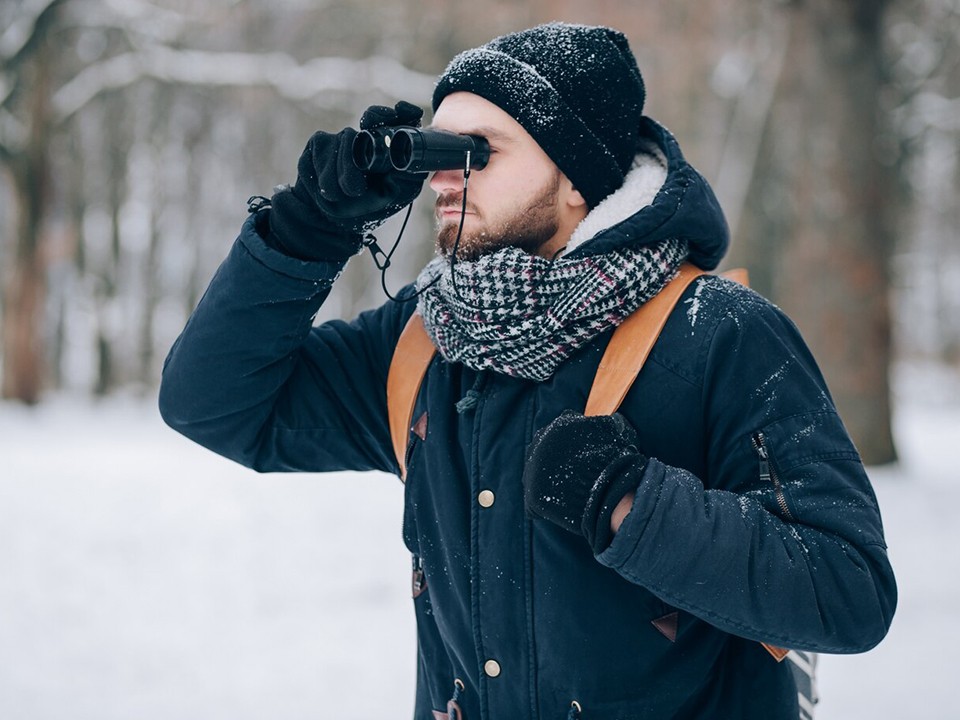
[769,388]
[694,305]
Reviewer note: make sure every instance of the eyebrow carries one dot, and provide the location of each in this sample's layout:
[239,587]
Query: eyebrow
[490,133]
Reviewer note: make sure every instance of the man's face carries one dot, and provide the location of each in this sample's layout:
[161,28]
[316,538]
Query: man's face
[520,198]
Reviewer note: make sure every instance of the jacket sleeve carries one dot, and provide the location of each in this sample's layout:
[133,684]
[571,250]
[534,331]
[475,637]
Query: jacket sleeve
[782,540]
[251,378]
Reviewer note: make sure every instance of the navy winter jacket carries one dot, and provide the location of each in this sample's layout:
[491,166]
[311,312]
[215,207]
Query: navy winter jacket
[754,520]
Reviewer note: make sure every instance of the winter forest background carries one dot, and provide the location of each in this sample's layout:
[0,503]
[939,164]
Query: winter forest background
[132,132]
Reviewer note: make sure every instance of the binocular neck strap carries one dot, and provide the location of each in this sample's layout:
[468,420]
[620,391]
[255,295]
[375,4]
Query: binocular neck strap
[382,259]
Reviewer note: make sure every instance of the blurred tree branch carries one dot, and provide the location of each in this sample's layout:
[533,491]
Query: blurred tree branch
[44,85]
[299,83]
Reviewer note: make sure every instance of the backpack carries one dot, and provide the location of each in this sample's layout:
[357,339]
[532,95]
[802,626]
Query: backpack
[622,361]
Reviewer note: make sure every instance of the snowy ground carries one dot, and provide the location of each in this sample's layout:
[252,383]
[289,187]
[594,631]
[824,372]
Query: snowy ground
[142,577]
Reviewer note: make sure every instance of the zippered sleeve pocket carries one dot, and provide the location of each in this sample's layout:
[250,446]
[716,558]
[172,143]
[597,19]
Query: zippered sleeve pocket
[801,458]
[769,475]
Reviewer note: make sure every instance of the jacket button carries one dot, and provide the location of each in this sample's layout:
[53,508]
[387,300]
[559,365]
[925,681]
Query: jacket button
[491,668]
[486,498]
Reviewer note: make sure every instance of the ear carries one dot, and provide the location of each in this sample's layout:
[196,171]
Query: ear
[571,196]
[573,210]
[575,199]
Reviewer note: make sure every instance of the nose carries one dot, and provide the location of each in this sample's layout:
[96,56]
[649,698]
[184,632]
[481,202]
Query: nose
[445,181]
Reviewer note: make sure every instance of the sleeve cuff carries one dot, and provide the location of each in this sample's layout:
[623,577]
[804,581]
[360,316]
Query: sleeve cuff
[320,271]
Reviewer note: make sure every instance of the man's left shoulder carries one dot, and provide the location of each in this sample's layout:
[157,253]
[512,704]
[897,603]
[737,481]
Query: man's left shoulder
[726,294]
[711,299]
[715,307]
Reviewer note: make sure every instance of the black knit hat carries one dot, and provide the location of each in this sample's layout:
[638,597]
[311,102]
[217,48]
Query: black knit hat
[576,89]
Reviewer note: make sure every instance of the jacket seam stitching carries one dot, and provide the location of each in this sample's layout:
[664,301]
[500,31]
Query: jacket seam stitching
[704,613]
[818,457]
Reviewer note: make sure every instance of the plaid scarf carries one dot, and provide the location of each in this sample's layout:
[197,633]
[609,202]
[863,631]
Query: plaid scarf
[523,315]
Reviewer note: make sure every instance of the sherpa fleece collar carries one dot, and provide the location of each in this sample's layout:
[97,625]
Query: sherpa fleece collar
[640,187]
[663,197]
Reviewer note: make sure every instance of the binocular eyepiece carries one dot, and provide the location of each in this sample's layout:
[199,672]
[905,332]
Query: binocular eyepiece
[408,149]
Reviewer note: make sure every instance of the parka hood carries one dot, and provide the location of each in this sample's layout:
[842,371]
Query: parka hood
[684,207]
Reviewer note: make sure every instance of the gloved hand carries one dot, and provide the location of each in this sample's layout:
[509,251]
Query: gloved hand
[578,469]
[325,215]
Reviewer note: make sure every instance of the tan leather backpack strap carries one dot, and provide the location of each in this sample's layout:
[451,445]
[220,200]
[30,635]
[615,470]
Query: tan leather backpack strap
[778,653]
[631,344]
[629,347]
[411,358]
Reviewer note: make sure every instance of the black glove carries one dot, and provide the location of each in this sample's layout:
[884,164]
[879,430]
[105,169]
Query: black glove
[333,204]
[578,469]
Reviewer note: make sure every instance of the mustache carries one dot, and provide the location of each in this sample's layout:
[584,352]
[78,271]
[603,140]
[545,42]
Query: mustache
[453,201]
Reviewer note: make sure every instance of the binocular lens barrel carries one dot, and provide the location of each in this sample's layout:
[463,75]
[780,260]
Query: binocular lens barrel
[413,150]
[371,152]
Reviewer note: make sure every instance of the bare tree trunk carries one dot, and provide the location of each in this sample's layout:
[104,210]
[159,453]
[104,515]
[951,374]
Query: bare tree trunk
[823,204]
[110,372]
[24,288]
[23,296]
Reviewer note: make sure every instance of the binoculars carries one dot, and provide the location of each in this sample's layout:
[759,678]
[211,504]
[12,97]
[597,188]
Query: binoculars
[408,149]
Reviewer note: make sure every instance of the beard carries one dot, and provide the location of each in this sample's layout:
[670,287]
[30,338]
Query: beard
[527,229]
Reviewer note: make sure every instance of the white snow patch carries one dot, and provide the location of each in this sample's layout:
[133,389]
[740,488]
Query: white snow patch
[142,576]
[694,303]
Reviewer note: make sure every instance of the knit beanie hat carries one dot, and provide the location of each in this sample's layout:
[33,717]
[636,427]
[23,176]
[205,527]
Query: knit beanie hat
[575,88]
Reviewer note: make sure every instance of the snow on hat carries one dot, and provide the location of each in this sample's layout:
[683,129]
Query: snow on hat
[575,88]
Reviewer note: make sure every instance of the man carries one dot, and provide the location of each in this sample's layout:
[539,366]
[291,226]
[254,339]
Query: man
[624,566]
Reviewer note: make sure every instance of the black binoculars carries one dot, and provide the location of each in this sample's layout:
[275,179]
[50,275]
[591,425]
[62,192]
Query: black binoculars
[408,149]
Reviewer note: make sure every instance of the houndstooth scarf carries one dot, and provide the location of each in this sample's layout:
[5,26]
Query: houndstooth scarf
[523,315]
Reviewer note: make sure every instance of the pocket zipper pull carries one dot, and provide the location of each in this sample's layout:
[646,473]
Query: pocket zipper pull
[761,449]
[769,474]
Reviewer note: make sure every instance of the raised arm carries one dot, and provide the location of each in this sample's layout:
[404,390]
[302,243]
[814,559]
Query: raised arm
[249,377]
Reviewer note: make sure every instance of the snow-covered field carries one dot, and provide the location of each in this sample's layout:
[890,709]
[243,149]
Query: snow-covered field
[144,578]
